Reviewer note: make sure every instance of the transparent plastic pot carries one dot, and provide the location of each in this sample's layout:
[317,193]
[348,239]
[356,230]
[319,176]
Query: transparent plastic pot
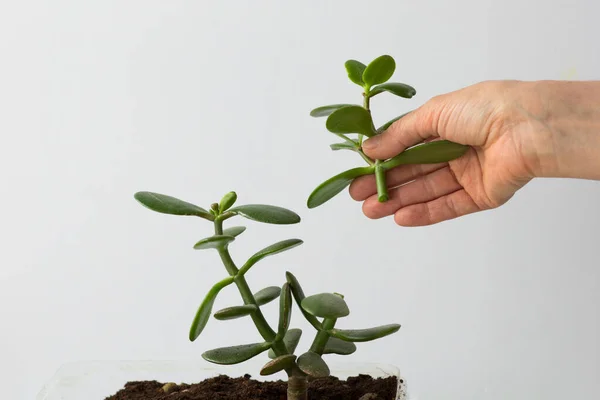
[96,380]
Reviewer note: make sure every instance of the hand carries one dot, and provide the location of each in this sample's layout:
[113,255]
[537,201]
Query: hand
[516,130]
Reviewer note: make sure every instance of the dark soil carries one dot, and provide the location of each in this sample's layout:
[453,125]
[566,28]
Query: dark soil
[225,388]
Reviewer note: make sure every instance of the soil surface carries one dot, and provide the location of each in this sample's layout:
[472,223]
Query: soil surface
[361,387]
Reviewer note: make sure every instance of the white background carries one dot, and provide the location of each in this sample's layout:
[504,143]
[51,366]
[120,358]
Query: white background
[99,99]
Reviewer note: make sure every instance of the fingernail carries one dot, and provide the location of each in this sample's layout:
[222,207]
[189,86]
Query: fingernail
[371,143]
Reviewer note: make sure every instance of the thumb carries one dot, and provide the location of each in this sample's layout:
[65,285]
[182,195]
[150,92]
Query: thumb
[413,128]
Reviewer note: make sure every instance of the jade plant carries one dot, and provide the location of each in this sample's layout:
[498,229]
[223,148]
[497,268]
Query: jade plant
[353,122]
[321,310]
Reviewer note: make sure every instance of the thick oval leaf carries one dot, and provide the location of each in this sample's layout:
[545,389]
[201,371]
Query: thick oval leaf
[278,364]
[170,205]
[364,335]
[399,89]
[267,295]
[343,146]
[435,152]
[326,305]
[235,312]
[313,365]
[285,309]
[214,242]
[205,308]
[234,231]
[235,354]
[269,251]
[333,186]
[267,214]
[385,126]
[291,340]
[379,70]
[227,201]
[325,111]
[355,70]
[298,294]
[351,119]
[338,346]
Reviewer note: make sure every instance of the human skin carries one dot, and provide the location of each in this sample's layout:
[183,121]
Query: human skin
[516,130]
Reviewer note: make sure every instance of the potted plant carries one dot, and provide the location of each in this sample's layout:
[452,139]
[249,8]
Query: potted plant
[308,373]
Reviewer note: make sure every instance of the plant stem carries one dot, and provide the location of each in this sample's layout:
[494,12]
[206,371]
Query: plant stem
[382,192]
[297,388]
[318,345]
[265,330]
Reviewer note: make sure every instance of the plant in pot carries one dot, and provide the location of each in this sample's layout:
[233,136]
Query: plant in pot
[280,340]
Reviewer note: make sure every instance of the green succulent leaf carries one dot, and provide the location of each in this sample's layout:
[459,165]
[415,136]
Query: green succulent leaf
[234,231]
[364,335]
[351,119]
[380,70]
[344,146]
[435,152]
[285,309]
[312,364]
[338,346]
[355,70]
[278,364]
[399,89]
[205,308]
[235,312]
[214,242]
[269,251]
[299,296]
[267,214]
[291,340]
[235,354]
[385,126]
[170,205]
[325,111]
[333,186]
[227,201]
[267,295]
[326,305]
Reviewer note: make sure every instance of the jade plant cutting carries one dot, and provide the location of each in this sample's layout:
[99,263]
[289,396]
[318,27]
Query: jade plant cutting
[321,310]
[353,122]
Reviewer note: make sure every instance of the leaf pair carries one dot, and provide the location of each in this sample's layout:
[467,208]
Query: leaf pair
[429,153]
[378,71]
[257,212]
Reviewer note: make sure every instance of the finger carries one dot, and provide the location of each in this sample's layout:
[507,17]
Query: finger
[415,127]
[421,190]
[364,187]
[444,208]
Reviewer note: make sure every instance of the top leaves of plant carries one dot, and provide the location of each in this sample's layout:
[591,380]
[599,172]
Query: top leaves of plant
[380,70]
[399,89]
[325,111]
[326,305]
[269,251]
[351,119]
[170,205]
[355,70]
[203,314]
[267,214]
[227,201]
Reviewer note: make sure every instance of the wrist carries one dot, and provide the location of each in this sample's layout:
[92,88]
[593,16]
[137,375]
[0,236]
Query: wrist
[567,144]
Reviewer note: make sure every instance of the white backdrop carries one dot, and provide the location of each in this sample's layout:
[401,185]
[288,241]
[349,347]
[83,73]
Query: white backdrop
[196,98]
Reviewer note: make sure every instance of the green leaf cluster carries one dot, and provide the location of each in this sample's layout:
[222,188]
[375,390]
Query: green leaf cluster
[353,122]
